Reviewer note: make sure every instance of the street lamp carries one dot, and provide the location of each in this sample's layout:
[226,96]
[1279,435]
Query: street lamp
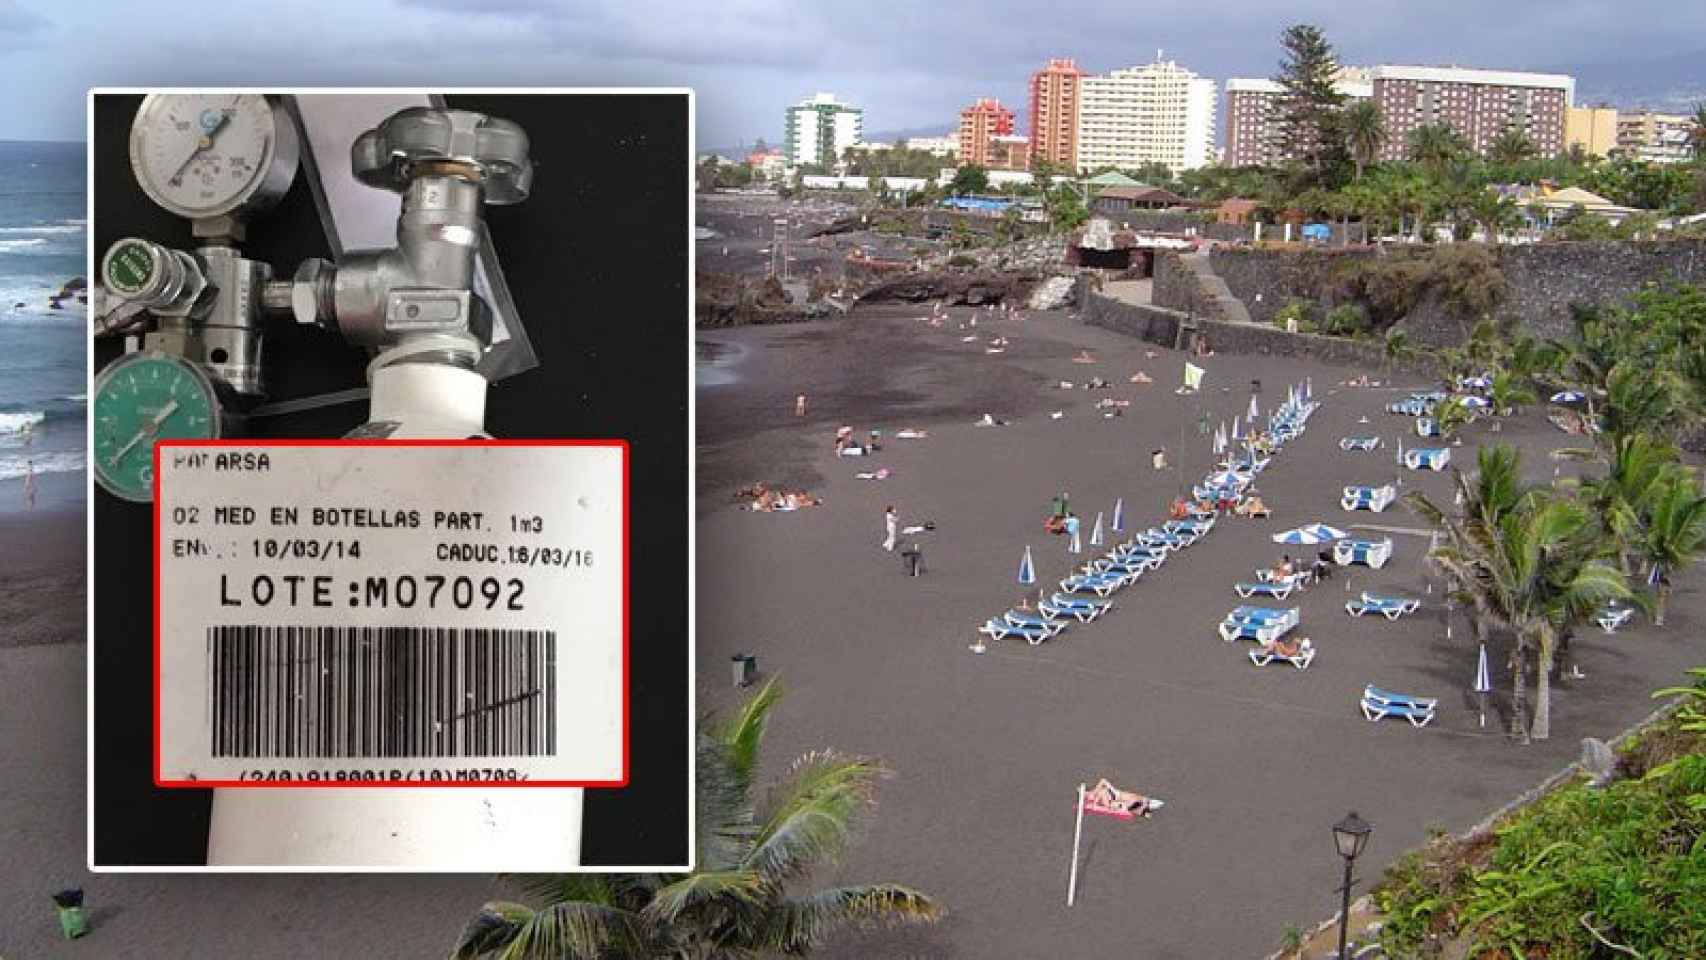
[1350,835]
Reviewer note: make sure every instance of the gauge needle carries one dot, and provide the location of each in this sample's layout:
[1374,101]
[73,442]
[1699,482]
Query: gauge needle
[148,430]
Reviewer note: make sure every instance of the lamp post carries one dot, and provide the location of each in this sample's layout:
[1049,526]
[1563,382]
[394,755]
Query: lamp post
[1350,835]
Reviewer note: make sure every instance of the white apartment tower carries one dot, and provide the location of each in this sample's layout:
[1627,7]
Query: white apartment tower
[1155,113]
[819,128]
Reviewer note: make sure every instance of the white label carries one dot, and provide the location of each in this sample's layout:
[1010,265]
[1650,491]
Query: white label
[395,613]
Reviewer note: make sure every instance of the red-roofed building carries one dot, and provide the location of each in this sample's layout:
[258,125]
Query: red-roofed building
[980,124]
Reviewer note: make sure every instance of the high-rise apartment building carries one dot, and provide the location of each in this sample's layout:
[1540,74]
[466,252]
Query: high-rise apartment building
[1054,113]
[1656,137]
[980,124]
[818,128]
[1594,129]
[1156,113]
[1253,135]
[1478,104]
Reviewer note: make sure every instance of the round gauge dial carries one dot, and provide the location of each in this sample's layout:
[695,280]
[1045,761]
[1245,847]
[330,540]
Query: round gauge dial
[211,154]
[141,398]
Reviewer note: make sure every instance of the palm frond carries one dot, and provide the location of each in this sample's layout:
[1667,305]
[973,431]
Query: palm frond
[491,929]
[730,890]
[743,733]
[800,924]
[811,813]
[575,931]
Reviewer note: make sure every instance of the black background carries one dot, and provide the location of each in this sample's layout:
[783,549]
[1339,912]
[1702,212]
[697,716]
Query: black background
[596,260]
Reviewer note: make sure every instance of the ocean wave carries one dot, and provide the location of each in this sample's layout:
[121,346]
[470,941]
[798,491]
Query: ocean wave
[56,229]
[13,467]
[17,422]
[14,246]
[77,398]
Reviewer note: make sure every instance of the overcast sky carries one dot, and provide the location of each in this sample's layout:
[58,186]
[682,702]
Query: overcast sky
[909,65]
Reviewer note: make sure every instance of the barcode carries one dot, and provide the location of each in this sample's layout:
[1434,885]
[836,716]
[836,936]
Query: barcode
[382,692]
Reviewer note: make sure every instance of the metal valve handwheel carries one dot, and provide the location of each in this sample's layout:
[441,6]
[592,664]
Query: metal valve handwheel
[422,141]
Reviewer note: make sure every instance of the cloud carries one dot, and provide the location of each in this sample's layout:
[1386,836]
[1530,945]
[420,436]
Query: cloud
[20,27]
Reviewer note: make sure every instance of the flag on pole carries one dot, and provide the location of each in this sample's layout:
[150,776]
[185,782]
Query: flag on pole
[1193,376]
[1027,572]
[1308,388]
[1483,684]
[1235,434]
[1253,413]
[1096,531]
[1119,515]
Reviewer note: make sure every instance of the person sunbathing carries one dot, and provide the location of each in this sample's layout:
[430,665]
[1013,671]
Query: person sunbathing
[1109,797]
[1084,357]
[1251,507]
[1281,571]
[1055,524]
[1285,648]
[1204,507]
[1180,509]
[1141,377]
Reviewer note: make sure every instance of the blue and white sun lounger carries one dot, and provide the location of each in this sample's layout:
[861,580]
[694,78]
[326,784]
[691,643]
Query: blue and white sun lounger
[1131,570]
[998,629]
[1374,694]
[1427,427]
[1611,618]
[1268,653]
[1261,624]
[1101,584]
[1193,528]
[1135,551]
[1359,444]
[1279,590]
[1020,618]
[1373,553]
[1408,408]
[1155,535]
[1081,609]
[1427,458]
[1375,711]
[1376,499]
[1436,396]
[1389,607]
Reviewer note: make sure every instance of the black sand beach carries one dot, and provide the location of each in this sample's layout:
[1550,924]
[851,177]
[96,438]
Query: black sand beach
[1255,763]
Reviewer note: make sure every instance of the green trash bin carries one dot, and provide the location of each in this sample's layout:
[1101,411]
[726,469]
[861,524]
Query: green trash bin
[73,922]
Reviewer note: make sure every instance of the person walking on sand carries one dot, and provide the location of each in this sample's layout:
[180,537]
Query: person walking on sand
[29,484]
[891,523]
[800,405]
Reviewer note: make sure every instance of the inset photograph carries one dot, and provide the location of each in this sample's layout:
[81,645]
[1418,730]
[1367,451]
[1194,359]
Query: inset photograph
[390,417]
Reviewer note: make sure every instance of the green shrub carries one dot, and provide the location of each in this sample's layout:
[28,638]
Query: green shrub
[962,260]
[1298,312]
[1344,320]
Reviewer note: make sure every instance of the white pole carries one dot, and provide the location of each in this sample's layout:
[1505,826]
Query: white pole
[1077,832]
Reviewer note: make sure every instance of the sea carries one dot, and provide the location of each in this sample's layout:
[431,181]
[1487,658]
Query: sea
[43,350]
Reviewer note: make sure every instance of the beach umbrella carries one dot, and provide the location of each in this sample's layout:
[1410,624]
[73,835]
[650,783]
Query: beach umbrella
[1308,387]
[1568,396]
[1483,683]
[1655,575]
[1096,531]
[1119,515]
[1400,451]
[1299,536]
[1027,572]
[1235,434]
[1474,403]
[1474,383]
[1252,414]
[1325,531]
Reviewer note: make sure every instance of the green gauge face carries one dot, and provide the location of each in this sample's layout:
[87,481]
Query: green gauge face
[142,398]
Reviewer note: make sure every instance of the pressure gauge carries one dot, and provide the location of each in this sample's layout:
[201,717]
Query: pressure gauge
[140,398]
[202,155]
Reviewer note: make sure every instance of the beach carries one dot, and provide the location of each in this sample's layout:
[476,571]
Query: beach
[1255,763]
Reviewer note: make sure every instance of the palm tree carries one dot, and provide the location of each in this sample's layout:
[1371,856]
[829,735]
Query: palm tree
[1535,572]
[1365,133]
[1435,145]
[1697,136]
[1638,468]
[1511,147]
[1495,213]
[737,903]
[1508,393]
[1675,533]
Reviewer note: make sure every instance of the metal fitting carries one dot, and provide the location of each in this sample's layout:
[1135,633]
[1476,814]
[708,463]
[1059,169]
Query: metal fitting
[161,280]
[427,142]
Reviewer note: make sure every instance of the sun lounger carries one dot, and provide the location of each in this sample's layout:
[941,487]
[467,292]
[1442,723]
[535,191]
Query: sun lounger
[1268,653]
[1408,408]
[1373,553]
[1278,589]
[1389,607]
[1176,540]
[999,629]
[1360,444]
[1261,624]
[1374,694]
[1376,499]
[1427,458]
[1131,549]
[1612,618]
[1376,711]
[1140,562]
[1427,427]
[1193,528]
[1020,618]
[1131,570]
[1081,609]
[1101,584]
[1432,397]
